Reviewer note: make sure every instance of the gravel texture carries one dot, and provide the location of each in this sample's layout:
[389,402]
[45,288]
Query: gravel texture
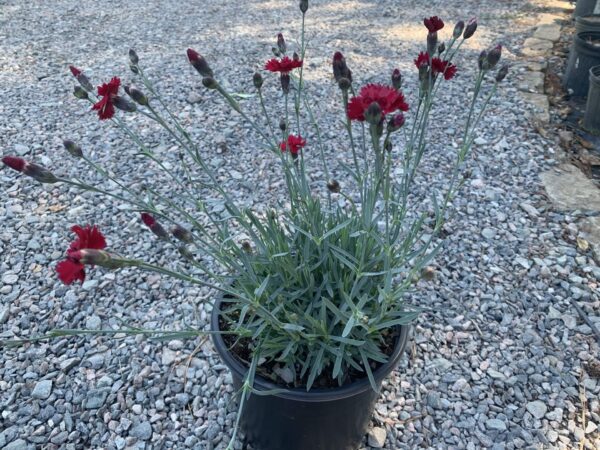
[496,363]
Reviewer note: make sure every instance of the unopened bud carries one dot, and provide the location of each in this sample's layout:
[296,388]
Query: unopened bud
[387,145]
[199,63]
[458,29]
[276,51]
[85,83]
[296,57]
[185,252]
[340,69]
[80,93]
[396,79]
[123,104]
[441,48]
[39,173]
[93,257]
[334,186]
[137,95]
[303,6]
[494,56]
[501,75]
[73,148]
[257,79]
[182,234]
[281,43]
[14,162]
[285,83]
[428,273]
[133,57]
[282,125]
[470,28]
[482,61]
[134,69]
[432,40]
[154,226]
[396,122]
[344,84]
[373,113]
[246,247]
[209,82]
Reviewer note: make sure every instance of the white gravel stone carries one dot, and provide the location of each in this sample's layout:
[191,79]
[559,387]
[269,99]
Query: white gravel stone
[376,437]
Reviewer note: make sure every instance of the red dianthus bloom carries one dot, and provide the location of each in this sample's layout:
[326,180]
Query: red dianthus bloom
[433,24]
[108,91]
[293,144]
[444,67]
[422,60]
[283,65]
[72,269]
[388,99]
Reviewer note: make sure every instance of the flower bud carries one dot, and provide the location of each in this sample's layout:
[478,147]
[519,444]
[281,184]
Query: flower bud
[340,69]
[134,69]
[93,257]
[123,104]
[182,234]
[39,173]
[502,73]
[257,80]
[282,125]
[14,163]
[75,71]
[441,48]
[281,43]
[247,247]
[185,252]
[133,57]
[432,40]
[73,148]
[344,84]
[396,122]
[303,6]
[80,93]
[199,63]
[137,95]
[482,61]
[32,170]
[373,113]
[334,186]
[494,56]
[276,51]
[396,79]
[154,226]
[285,83]
[428,273]
[458,29]
[387,145]
[470,28]
[81,78]
[209,82]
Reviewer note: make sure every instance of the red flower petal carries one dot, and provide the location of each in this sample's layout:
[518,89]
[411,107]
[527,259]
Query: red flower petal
[293,143]
[108,91]
[284,65]
[15,163]
[148,220]
[422,60]
[87,237]
[388,99]
[192,54]
[433,24]
[70,270]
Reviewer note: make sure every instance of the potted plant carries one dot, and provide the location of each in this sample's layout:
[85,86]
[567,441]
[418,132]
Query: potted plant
[310,314]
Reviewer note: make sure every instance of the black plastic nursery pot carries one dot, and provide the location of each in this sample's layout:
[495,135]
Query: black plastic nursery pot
[589,23]
[585,54]
[591,119]
[584,7]
[321,419]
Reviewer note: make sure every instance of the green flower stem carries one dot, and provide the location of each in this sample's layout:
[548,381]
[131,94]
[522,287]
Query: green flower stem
[266,114]
[351,136]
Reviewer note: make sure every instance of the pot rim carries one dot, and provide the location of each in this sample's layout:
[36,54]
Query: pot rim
[299,394]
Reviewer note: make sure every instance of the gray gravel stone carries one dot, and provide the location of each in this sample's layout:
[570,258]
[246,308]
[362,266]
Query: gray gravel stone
[537,409]
[42,389]
[376,437]
[142,431]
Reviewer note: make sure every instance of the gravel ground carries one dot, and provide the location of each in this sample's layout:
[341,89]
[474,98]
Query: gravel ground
[497,364]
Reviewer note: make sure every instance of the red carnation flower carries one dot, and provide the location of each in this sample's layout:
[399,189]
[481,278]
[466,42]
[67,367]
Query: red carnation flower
[293,144]
[15,163]
[422,60]
[75,71]
[72,269]
[444,67]
[108,92]
[388,99]
[283,65]
[433,24]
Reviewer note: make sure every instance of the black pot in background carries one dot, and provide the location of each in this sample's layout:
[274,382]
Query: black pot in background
[582,58]
[322,419]
[584,7]
[591,119]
